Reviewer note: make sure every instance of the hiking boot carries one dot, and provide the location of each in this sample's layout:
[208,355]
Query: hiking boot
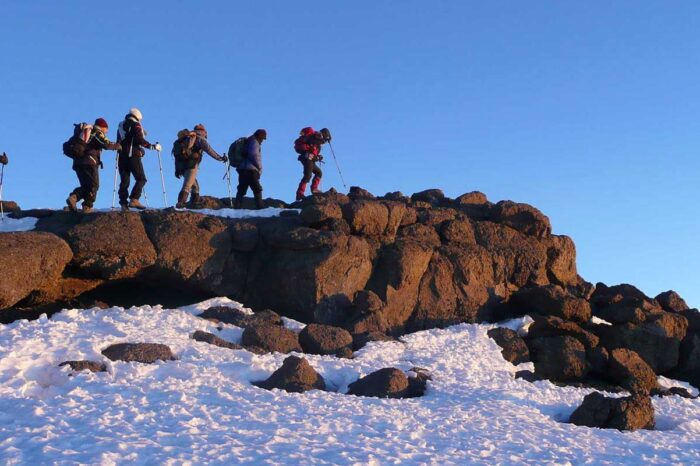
[181,200]
[136,204]
[87,209]
[72,202]
[124,207]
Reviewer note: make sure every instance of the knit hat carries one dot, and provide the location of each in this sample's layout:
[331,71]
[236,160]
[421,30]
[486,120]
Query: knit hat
[200,129]
[306,131]
[102,123]
[260,133]
[136,113]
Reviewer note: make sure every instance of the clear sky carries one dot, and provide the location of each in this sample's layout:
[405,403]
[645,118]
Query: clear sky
[587,110]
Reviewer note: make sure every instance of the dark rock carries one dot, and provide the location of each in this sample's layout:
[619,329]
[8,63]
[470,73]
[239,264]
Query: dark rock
[474,197]
[396,196]
[359,340]
[528,376]
[271,338]
[629,413]
[244,236]
[522,217]
[410,216]
[296,376]
[92,366]
[384,383]
[356,193]
[561,261]
[598,359]
[364,323]
[627,369]
[146,353]
[10,207]
[458,232]
[36,213]
[316,214]
[367,302]
[514,349]
[421,234]
[550,326]
[431,196]
[550,300]
[620,296]
[212,339]
[111,245]
[228,315]
[367,218]
[417,382]
[673,391]
[324,339]
[30,261]
[561,359]
[332,310]
[671,301]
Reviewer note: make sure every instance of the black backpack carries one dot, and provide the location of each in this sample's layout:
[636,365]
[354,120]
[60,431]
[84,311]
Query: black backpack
[75,146]
[237,152]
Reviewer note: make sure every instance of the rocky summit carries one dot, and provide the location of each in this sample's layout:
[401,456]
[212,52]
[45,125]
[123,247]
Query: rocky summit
[376,266]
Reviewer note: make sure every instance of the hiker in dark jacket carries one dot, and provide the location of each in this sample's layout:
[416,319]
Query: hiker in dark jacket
[308,146]
[190,185]
[87,167]
[250,170]
[132,138]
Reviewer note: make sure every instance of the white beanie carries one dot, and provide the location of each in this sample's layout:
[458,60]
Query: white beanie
[136,113]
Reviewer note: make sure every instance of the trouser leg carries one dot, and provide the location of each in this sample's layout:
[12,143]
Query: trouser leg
[257,189]
[318,174]
[241,188]
[136,168]
[89,177]
[124,179]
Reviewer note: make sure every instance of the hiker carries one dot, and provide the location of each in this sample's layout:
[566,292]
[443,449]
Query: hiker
[308,146]
[250,170]
[132,138]
[86,167]
[188,151]
[4,159]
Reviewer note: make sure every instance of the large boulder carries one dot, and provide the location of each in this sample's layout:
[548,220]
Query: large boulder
[561,359]
[657,341]
[522,217]
[317,214]
[384,383]
[189,246]
[550,300]
[244,236]
[551,326]
[29,262]
[561,261]
[629,413]
[111,245]
[325,339]
[458,231]
[619,297]
[366,218]
[430,196]
[271,339]
[671,301]
[146,353]
[628,370]
[296,376]
[514,349]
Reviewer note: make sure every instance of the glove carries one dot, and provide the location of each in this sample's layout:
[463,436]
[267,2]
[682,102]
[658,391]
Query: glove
[119,147]
[102,165]
[156,147]
[224,159]
[178,175]
[319,157]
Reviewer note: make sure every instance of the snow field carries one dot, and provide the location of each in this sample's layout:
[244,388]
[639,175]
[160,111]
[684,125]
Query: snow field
[8,225]
[202,409]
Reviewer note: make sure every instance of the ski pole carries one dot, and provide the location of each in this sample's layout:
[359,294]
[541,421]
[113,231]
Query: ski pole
[116,169]
[162,180]
[2,179]
[145,196]
[337,165]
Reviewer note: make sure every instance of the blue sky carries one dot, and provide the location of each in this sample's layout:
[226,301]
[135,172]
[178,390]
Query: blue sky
[588,111]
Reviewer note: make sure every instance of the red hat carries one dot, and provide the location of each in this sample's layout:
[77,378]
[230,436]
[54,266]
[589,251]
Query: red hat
[102,123]
[306,131]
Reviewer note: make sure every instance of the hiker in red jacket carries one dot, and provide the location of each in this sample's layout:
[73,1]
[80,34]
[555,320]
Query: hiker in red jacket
[87,167]
[308,146]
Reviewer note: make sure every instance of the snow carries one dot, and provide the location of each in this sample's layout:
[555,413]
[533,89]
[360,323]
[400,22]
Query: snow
[244,213]
[598,321]
[8,224]
[202,408]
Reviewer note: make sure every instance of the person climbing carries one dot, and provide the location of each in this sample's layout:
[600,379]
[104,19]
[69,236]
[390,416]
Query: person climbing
[132,138]
[250,170]
[189,161]
[87,167]
[308,146]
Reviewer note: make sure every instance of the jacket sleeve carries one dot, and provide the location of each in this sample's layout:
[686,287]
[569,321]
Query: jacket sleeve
[208,149]
[254,154]
[104,143]
[139,137]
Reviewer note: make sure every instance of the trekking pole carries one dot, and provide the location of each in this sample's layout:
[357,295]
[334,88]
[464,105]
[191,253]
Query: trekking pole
[162,181]
[228,181]
[337,165]
[116,169]
[145,196]
[2,207]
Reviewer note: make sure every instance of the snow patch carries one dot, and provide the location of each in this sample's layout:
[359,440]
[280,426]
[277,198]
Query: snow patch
[8,225]
[203,409]
[598,321]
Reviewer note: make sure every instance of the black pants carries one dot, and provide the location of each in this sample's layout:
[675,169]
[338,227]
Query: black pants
[130,166]
[89,178]
[249,179]
[310,168]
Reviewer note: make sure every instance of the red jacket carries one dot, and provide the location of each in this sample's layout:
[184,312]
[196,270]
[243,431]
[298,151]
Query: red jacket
[308,143]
